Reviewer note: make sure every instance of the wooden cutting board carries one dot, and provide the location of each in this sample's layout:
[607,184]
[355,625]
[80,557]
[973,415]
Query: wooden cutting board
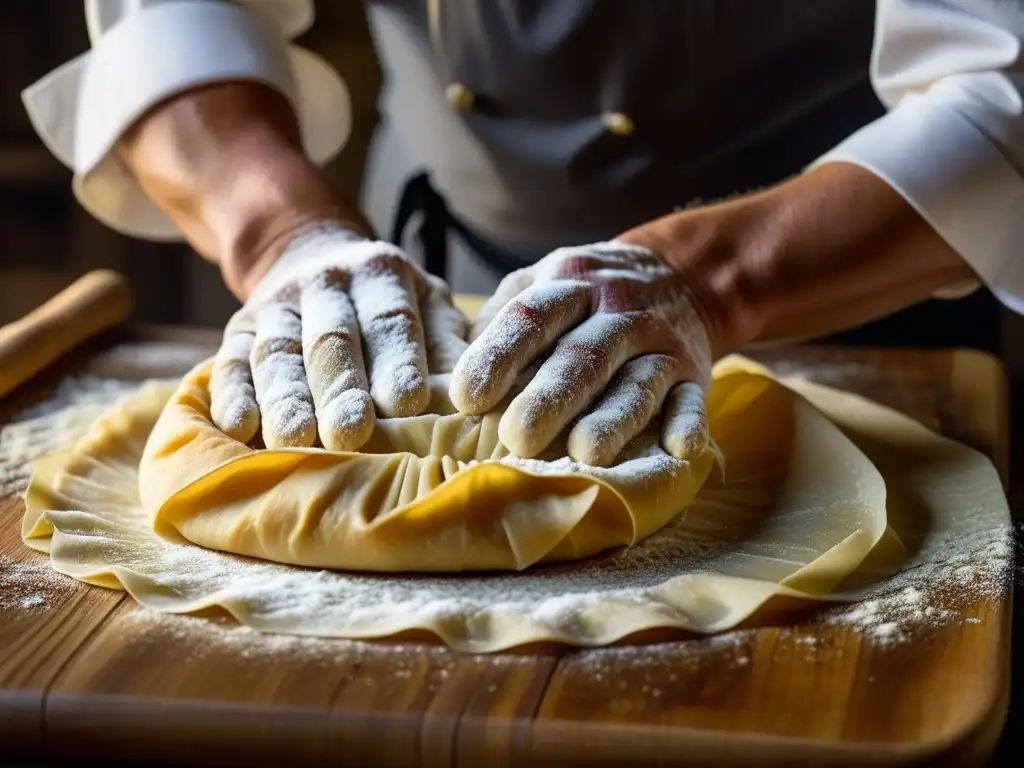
[86,674]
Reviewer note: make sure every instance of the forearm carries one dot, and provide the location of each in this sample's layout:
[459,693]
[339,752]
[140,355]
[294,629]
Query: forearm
[226,164]
[820,253]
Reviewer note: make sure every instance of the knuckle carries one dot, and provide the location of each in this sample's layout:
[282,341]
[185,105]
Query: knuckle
[263,349]
[336,350]
[384,261]
[579,265]
[384,325]
[327,279]
[521,315]
[647,393]
[285,295]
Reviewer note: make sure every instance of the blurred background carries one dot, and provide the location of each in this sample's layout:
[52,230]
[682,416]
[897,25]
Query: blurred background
[47,240]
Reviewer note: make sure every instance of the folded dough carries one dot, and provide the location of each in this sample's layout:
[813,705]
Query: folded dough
[428,493]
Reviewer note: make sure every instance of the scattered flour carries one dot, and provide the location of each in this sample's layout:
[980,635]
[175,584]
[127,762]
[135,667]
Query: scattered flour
[52,424]
[32,585]
[940,587]
[199,639]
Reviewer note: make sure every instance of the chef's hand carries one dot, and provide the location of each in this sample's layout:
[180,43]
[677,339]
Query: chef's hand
[293,356]
[822,252]
[335,327]
[626,343]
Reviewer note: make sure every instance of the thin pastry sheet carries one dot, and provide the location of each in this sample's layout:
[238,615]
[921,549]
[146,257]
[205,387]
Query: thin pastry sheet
[800,505]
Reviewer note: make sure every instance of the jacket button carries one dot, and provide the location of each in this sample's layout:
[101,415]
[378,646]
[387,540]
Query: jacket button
[618,123]
[460,97]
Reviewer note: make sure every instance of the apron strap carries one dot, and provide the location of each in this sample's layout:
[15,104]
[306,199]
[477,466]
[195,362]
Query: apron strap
[420,196]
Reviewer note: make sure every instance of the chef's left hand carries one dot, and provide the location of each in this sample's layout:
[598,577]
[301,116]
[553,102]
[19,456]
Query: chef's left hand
[627,343]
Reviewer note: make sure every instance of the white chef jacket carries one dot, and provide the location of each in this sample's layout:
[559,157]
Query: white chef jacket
[948,71]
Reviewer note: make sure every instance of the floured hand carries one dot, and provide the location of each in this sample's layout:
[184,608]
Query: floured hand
[339,328]
[625,343]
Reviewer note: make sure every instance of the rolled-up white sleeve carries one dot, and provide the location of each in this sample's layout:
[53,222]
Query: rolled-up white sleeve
[950,73]
[144,51]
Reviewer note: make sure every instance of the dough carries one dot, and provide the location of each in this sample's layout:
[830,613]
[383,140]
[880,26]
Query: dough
[798,508]
[427,493]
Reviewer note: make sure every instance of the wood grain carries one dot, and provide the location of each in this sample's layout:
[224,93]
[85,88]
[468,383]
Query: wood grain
[96,676]
[36,644]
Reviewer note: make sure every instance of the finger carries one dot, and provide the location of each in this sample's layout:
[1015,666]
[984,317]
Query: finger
[233,406]
[444,327]
[510,286]
[578,370]
[333,357]
[523,329]
[286,404]
[684,433]
[634,397]
[384,297]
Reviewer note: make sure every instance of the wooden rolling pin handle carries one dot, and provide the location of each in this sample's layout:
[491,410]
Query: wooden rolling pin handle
[95,302]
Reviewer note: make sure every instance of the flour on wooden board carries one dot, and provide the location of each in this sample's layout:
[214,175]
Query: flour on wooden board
[30,586]
[943,582]
[56,422]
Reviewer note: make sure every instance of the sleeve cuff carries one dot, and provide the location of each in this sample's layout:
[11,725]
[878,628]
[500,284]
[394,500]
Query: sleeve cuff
[957,180]
[81,109]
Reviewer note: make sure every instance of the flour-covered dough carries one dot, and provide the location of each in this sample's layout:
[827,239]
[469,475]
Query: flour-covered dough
[798,507]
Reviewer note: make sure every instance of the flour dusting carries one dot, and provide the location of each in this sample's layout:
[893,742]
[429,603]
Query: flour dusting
[233,405]
[279,376]
[199,639]
[939,587]
[52,424]
[31,585]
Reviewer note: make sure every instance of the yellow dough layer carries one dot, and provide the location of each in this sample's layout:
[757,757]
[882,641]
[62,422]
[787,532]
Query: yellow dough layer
[426,493]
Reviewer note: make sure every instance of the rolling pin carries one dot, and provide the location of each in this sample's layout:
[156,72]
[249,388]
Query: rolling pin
[95,302]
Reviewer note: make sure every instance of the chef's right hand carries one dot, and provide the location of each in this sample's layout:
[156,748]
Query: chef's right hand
[335,326]
[340,327]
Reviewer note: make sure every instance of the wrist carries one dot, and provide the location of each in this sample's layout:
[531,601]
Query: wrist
[270,206]
[225,162]
[825,251]
[710,247]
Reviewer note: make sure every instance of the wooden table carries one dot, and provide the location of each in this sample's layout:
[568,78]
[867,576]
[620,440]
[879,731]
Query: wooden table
[79,679]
